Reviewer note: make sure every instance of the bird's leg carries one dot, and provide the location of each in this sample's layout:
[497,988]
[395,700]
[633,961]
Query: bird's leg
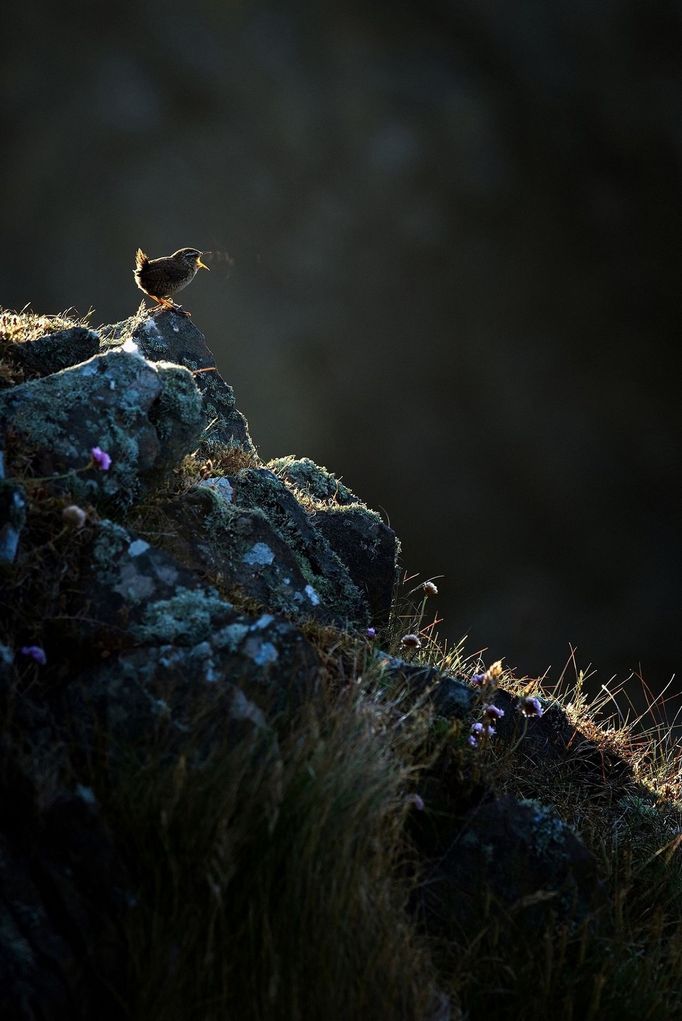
[162,304]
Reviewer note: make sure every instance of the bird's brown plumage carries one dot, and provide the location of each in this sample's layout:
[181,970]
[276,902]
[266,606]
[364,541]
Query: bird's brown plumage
[161,278]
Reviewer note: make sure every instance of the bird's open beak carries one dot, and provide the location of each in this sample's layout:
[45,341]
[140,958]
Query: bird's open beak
[202,265]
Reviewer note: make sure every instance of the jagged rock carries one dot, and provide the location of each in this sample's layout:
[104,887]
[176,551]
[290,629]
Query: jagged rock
[252,529]
[246,550]
[170,337]
[368,548]
[518,854]
[144,416]
[54,351]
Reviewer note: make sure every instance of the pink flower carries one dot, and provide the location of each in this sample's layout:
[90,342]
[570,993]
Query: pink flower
[493,713]
[371,632]
[101,458]
[34,652]
[531,706]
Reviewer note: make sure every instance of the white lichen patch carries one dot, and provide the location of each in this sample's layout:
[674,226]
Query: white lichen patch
[187,615]
[260,652]
[133,585]
[138,547]
[260,554]
[231,636]
[312,595]
[263,621]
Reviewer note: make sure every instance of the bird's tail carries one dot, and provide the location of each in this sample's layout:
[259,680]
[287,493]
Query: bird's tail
[141,259]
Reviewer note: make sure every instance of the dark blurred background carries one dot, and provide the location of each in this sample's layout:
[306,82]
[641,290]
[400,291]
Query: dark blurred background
[453,233]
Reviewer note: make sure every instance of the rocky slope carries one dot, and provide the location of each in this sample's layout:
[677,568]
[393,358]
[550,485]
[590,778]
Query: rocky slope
[170,603]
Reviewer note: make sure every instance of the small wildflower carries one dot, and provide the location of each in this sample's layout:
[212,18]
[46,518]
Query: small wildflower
[430,589]
[478,678]
[530,706]
[74,516]
[411,641]
[493,713]
[34,652]
[471,740]
[417,801]
[477,728]
[371,632]
[101,458]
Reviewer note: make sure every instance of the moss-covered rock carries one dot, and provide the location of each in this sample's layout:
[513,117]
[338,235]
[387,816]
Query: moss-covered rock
[142,416]
[313,481]
[173,338]
[41,356]
[368,548]
[263,545]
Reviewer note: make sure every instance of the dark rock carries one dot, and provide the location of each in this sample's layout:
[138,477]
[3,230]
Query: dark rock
[54,351]
[551,739]
[262,542]
[143,416]
[246,550]
[521,856]
[12,520]
[62,900]
[451,697]
[173,338]
[368,548]
[132,596]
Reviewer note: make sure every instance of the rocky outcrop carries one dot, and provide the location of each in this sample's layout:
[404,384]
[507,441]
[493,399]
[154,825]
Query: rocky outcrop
[163,589]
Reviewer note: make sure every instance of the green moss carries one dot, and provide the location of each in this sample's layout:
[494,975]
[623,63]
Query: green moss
[180,399]
[313,480]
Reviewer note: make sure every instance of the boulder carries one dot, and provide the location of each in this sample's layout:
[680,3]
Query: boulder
[173,338]
[512,858]
[54,351]
[144,416]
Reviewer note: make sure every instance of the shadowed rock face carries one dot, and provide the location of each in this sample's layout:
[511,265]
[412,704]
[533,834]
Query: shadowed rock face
[137,642]
[521,856]
[186,614]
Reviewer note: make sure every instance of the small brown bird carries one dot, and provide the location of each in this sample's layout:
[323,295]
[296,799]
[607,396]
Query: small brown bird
[160,278]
